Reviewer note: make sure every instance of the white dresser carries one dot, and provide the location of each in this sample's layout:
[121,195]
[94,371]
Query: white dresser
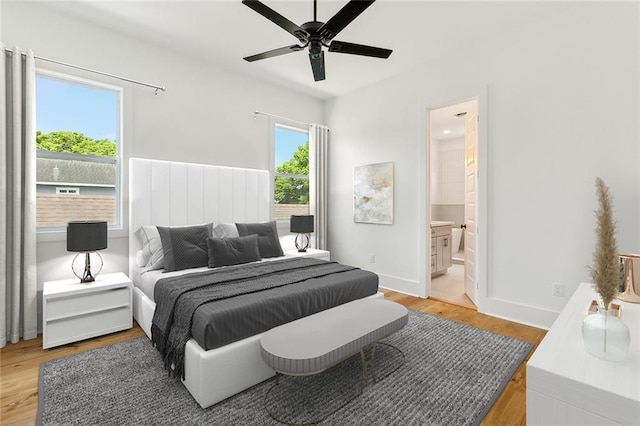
[73,311]
[568,386]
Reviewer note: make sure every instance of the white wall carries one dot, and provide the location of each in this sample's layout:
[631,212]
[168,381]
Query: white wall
[447,185]
[205,116]
[562,109]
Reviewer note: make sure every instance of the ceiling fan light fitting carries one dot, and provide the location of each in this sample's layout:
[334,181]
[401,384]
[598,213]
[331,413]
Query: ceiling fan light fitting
[315,47]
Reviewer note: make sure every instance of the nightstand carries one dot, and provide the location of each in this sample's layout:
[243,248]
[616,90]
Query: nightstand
[318,254]
[73,311]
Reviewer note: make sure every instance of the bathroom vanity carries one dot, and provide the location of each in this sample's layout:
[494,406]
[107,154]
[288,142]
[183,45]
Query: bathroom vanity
[440,246]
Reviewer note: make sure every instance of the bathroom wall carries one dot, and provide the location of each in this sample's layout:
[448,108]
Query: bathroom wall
[447,180]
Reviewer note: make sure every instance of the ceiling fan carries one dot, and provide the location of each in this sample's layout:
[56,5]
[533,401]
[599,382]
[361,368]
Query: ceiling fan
[315,34]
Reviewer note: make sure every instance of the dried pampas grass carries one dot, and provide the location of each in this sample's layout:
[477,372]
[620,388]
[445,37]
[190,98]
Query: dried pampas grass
[605,271]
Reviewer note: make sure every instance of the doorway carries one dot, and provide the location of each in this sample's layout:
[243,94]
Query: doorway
[452,153]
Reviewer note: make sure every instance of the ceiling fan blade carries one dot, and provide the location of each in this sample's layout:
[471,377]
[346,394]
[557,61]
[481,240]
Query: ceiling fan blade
[277,19]
[317,65]
[343,18]
[359,49]
[274,52]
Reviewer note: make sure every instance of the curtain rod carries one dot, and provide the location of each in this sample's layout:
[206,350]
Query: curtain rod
[153,86]
[256,113]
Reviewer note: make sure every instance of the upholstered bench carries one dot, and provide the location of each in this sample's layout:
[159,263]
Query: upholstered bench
[318,342]
[315,343]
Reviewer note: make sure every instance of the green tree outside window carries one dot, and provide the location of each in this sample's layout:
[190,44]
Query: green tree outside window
[74,143]
[290,188]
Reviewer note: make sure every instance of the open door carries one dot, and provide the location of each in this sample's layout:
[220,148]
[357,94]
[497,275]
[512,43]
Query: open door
[470,204]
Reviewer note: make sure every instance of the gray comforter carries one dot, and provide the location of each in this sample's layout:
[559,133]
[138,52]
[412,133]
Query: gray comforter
[178,298]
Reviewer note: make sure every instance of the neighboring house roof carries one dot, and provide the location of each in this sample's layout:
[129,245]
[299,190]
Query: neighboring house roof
[74,171]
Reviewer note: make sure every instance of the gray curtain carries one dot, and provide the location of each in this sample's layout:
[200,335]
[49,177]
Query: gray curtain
[18,286]
[318,151]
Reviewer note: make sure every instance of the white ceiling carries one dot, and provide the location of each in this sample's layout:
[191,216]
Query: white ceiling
[444,123]
[222,32]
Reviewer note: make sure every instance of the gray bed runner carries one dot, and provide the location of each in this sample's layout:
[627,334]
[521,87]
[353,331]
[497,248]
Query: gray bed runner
[177,298]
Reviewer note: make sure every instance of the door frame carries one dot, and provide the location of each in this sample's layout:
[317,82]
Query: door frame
[482,242]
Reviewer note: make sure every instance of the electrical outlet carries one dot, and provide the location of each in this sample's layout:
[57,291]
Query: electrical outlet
[372,258]
[558,290]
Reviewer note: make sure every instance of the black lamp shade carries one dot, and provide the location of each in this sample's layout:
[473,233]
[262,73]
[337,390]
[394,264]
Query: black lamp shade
[84,236]
[302,224]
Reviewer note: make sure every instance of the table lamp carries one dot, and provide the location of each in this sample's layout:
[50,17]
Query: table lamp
[87,237]
[303,226]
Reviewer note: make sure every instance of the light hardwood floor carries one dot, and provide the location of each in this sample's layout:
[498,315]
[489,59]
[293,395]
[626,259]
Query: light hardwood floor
[19,363]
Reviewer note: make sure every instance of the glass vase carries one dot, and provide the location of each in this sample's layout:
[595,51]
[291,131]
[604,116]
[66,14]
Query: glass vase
[605,336]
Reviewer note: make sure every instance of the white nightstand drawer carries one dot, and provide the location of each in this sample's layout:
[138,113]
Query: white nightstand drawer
[72,311]
[86,326]
[79,304]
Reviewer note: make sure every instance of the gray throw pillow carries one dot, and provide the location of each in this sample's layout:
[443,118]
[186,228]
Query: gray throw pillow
[233,250]
[185,246]
[268,241]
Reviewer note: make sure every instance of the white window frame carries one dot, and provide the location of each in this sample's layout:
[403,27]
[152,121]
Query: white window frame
[283,224]
[60,232]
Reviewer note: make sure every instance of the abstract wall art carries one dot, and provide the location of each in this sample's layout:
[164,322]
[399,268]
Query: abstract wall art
[373,193]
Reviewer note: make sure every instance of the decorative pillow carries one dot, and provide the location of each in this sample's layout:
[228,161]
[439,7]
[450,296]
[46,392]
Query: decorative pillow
[225,230]
[142,257]
[268,242]
[185,246]
[151,256]
[233,250]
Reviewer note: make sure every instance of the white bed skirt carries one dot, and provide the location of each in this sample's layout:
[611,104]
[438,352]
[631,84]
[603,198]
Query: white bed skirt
[214,375]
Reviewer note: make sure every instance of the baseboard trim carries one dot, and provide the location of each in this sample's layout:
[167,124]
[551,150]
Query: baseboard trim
[499,308]
[400,285]
[523,314]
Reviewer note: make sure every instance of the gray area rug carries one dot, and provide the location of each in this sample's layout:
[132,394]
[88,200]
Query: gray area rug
[452,375]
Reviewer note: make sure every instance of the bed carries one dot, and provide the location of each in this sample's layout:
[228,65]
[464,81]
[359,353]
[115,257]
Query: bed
[173,194]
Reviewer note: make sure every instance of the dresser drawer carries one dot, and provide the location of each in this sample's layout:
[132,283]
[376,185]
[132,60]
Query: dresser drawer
[80,327]
[79,304]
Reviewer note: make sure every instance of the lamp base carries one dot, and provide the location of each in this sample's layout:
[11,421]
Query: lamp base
[87,276]
[303,244]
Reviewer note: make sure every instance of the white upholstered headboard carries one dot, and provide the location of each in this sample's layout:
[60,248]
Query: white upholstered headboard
[170,193]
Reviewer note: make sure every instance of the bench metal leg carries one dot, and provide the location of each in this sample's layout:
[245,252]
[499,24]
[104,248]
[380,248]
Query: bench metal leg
[368,367]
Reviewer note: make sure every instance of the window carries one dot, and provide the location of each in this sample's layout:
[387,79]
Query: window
[291,177]
[78,151]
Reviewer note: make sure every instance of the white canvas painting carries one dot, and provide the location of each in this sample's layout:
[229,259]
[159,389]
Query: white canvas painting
[373,193]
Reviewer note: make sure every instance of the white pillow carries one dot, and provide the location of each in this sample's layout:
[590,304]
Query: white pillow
[142,257]
[225,230]
[151,256]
